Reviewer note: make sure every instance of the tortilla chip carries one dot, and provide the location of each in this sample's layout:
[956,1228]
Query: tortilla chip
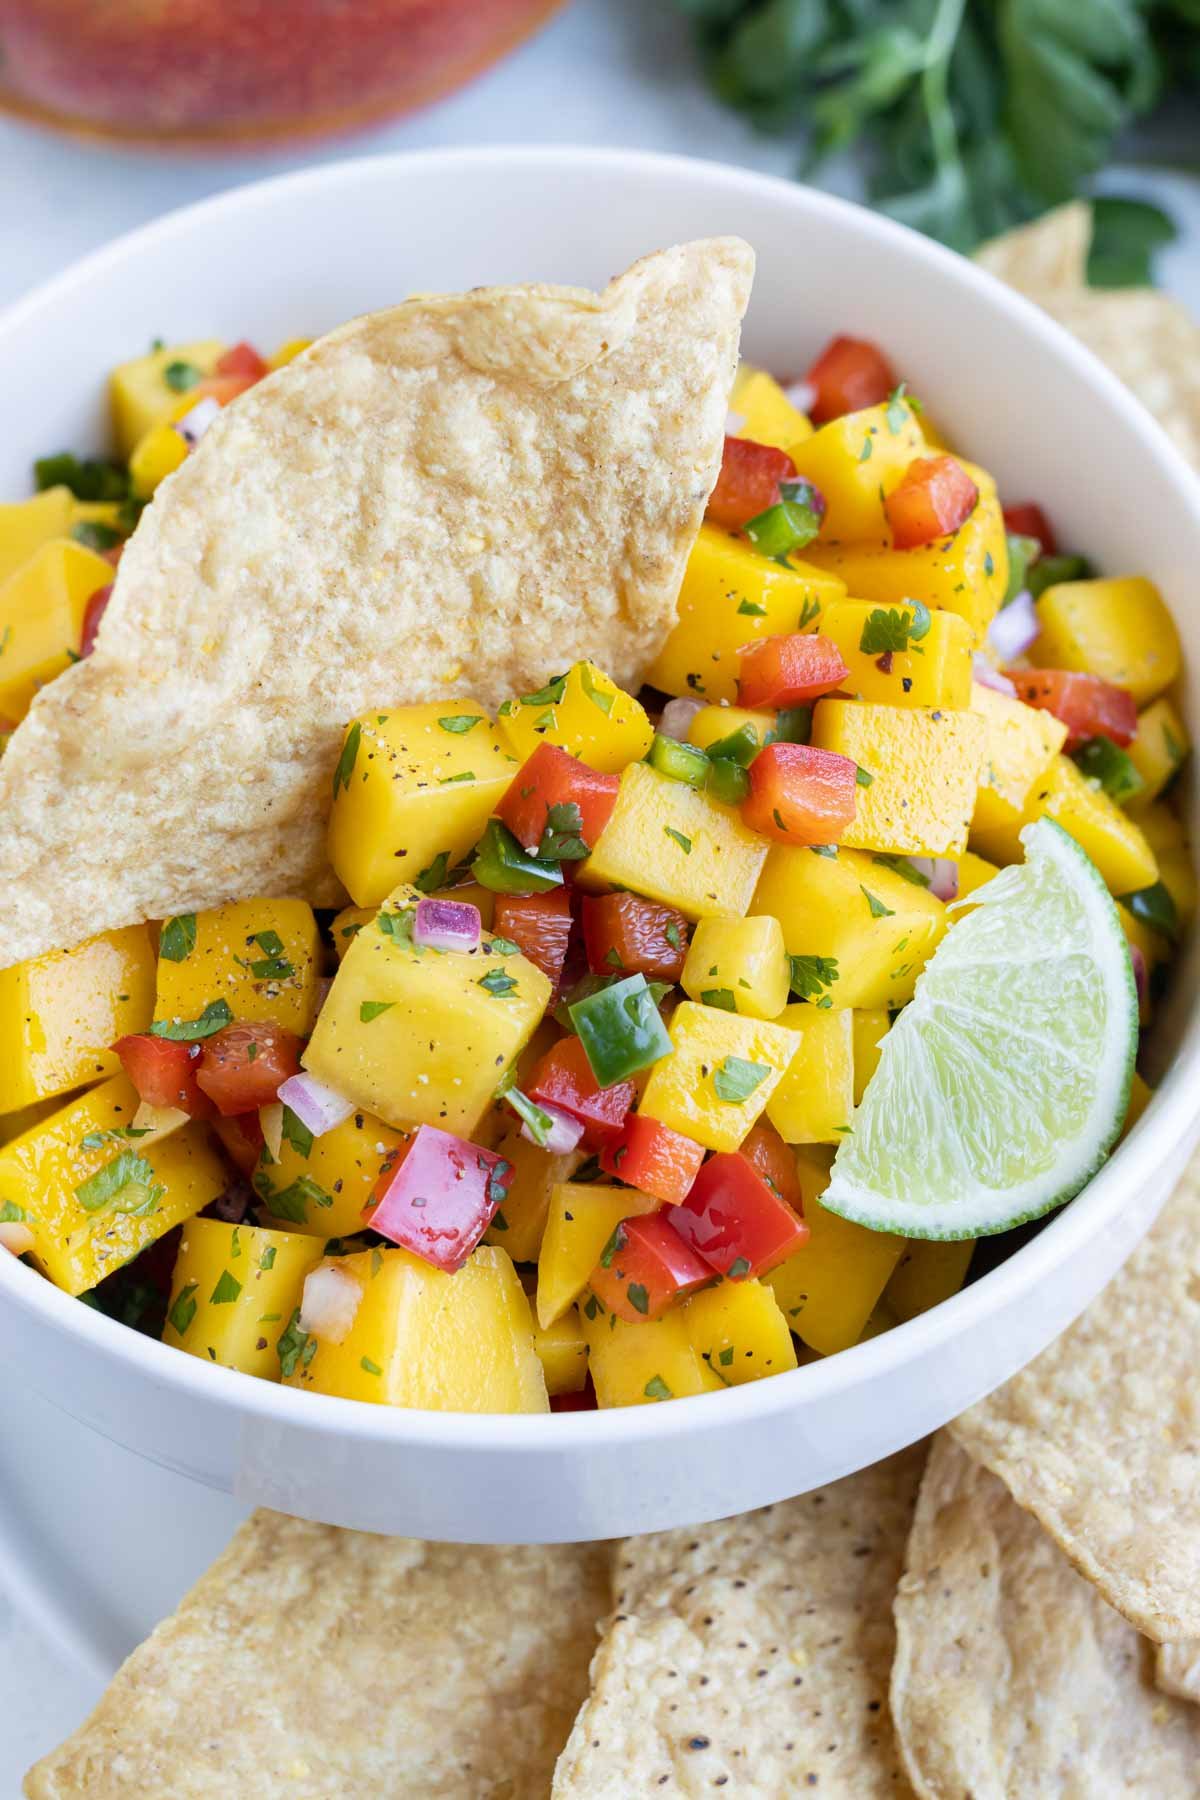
[1177,1669]
[460,496]
[319,1664]
[1012,1677]
[753,1653]
[1049,255]
[1100,1436]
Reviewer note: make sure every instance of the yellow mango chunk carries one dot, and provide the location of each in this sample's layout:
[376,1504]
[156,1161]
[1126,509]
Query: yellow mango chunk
[580,1220]
[927,1274]
[423,1037]
[563,1353]
[671,843]
[155,456]
[1113,841]
[739,964]
[60,1013]
[712,723]
[583,712]
[321,1186]
[763,411]
[234,1289]
[721,1074]
[25,525]
[41,619]
[1118,628]
[260,957]
[145,391]
[1157,752]
[413,790]
[828,1289]
[1022,741]
[520,1224]
[814,1103]
[824,904]
[924,771]
[347,925]
[93,1196]
[632,1365]
[739,1332]
[420,1337]
[966,573]
[934,671]
[856,461]
[973,872]
[288,351]
[1140,1096]
[733,595]
[869,1025]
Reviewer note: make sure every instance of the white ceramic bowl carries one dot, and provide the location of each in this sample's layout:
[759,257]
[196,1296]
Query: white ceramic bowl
[300,254]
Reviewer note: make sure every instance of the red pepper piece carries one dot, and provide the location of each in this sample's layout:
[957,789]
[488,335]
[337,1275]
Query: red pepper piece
[93,612]
[850,373]
[627,935]
[242,1067]
[766,1152]
[582,800]
[1087,706]
[242,359]
[748,483]
[800,795]
[539,925]
[564,1078]
[788,671]
[1028,520]
[935,497]
[733,1220]
[645,1267]
[440,1198]
[653,1158]
[164,1072]
[241,1138]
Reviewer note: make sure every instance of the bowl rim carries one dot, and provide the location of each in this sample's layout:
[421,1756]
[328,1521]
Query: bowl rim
[1164,1129]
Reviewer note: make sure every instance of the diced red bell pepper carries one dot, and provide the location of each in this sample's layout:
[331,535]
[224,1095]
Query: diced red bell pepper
[164,1072]
[1028,520]
[242,359]
[788,671]
[628,935]
[221,388]
[555,801]
[800,795]
[564,1079]
[1087,706]
[241,1138]
[653,1158]
[539,925]
[583,1401]
[645,1267]
[93,612]
[850,373]
[766,1152]
[242,1066]
[935,497]
[733,1220]
[748,483]
[440,1198]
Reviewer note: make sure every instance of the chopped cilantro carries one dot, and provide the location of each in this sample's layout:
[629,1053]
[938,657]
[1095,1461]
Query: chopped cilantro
[181,377]
[722,997]
[94,535]
[267,1259]
[736,1079]
[878,909]
[812,974]
[550,695]
[296,1348]
[293,1201]
[458,723]
[892,629]
[738,1269]
[373,1009]
[537,1121]
[227,1289]
[216,1015]
[862,776]
[497,982]
[685,843]
[348,758]
[657,1389]
[296,1132]
[178,938]
[434,877]
[183,1308]
[562,839]
[596,695]
[128,1169]
[368,1367]
[639,1299]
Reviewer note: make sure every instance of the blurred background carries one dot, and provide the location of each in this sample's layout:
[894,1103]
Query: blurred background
[961,117]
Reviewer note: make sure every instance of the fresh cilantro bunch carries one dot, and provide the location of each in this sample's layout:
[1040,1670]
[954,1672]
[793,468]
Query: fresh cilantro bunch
[970,115]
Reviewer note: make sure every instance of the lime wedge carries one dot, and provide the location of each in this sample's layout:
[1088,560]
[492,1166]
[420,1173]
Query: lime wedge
[1005,1081]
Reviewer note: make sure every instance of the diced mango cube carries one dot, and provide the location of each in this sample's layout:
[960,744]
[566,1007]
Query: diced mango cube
[234,1289]
[1113,841]
[923,769]
[413,790]
[423,1037]
[580,1220]
[1140,1096]
[321,1186]
[934,670]
[583,712]
[60,1013]
[1022,741]
[288,351]
[814,1103]
[856,461]
[712,723]
[155,456]
[869,1026]
[632,1365]
[41,619]
[520,1223]
[737,1329]
[563,1353]
[671,843]
[1158,751]
[763,411]
[927,1274]
[739,964]
[721,1074]
[25,525]
[731,596]
[347,925]
[1118,628]
[420,1337]
[973,872]
[863,931]
[828,1289]
[260,957]
[94,1196]
[146,390]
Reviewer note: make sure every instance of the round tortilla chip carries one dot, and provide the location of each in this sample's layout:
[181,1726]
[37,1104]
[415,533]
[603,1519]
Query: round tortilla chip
[1012,1679]
[1049,255]
[460,496]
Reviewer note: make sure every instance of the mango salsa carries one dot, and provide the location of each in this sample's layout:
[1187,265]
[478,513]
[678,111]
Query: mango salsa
[25,525]
[828,1290]
[721,1074]
[155,456]
[563,1353]
[919,771]
[520,1223]
[41,619]
[814,1103]
[856,461]
[1158,751]
[580,1220]
[146,390]
[1021,743]
[321,1186]
[585,713]
[60,1013]
[764,412]
[635,1365]
[869,1027]
[929,669]
[740,965]
[234,1289]
[1113,841]
[254,959]
[712,723]
[739,1332]
[1119,629]
[927,1274]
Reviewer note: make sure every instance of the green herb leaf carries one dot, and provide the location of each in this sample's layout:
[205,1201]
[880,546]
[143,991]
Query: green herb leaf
[538,1122]
[1114,768]
[296,1348]
[87,478]
[862,776]
[736,1079]
[812,975]
[722,997]
[374,1009]
[127,1170]
[183,1308]
[94,535]
[348,758]
[181,377]
[434,877]
[267,1260]
[597,696]
[657,1389]
[738,1269]
[368,1367]
[550,695]
[292,1202]
[178,938]
[227,1289]
[498,982]
[296,1133]
[216,1015]
[458,723]
[878,909]
[890,630]
[685,843]
[562,839]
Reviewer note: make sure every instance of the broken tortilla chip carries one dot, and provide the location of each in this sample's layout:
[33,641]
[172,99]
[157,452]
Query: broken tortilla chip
[1177,1669]
[753,1653]
[1099,1437]
[320,1664]
[1049,254]
[1012,1676]
[459,496]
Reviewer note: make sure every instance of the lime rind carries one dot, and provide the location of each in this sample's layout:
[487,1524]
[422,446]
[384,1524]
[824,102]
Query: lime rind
[1004,1083]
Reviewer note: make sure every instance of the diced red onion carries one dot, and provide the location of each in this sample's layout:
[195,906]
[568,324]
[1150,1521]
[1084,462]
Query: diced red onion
[446,925]
[677,716]
[799,394]
[330,1304]
[987,675]
[1014,627]
[196,422]
[735,424]
[16,1237]
[564,1134]
[1141,978]
[316,1106]
[939,874]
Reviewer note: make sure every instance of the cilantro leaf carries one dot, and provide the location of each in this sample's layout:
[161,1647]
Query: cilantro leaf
[736,1079]
[812,975]
[178,938]
[216,1015]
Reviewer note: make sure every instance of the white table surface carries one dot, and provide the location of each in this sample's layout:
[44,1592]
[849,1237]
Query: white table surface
[605,72]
